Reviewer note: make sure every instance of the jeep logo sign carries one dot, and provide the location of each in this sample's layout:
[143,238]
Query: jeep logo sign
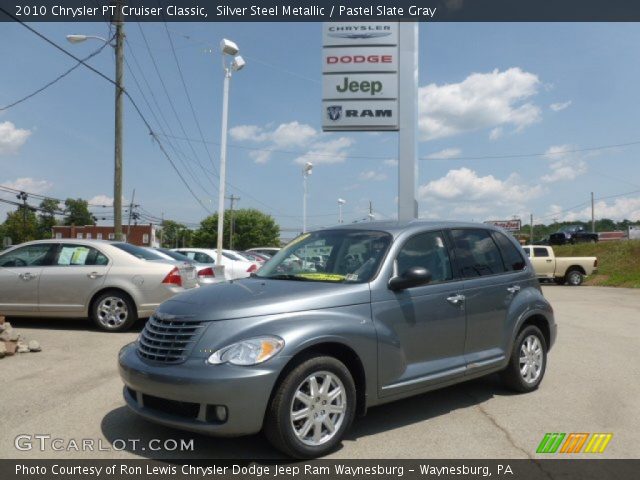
[358,115]
[360,76]
[360,85]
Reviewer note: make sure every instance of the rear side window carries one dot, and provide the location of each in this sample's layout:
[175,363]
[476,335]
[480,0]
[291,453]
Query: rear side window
[540,252]
[202,257]
[79,255]
[477,253]
[511,255]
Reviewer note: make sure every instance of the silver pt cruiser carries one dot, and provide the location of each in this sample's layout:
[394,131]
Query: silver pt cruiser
[301,348]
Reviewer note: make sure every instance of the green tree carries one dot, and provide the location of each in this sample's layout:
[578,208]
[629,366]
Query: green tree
[77,212]
[172,233]
[21,225]
[46,218]
[252,228]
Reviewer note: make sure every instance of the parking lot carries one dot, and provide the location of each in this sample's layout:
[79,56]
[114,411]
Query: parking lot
[71,390]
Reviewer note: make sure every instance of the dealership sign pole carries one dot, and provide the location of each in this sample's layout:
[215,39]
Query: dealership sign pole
[370,83]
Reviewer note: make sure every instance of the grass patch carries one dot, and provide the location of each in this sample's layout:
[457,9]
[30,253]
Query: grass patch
[618,261]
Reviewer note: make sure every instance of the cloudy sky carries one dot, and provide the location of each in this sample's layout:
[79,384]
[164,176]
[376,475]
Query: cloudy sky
[511,120]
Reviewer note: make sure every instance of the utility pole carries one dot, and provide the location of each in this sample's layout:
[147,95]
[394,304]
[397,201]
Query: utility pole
[370,211]
[233,199]
[23,196]
[118,20]
[161,229]
[531,232]
[133,196]
[593,216]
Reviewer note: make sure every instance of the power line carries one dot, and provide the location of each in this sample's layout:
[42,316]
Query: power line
[54,81]
[126,93]
[186,92]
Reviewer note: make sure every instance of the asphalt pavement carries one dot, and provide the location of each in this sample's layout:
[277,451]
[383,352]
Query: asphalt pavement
[71,392]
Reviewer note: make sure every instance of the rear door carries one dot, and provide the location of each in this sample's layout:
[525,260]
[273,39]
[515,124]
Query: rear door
[491,284]
[422,328]
[20,273]
[77,273]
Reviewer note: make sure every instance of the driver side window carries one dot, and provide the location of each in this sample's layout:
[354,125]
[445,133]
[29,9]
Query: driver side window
[426,250]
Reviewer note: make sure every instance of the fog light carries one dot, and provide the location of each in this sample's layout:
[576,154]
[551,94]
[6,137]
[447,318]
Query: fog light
[221,413]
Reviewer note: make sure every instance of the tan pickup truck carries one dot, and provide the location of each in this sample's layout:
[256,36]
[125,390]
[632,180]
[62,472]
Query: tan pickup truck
[571,270]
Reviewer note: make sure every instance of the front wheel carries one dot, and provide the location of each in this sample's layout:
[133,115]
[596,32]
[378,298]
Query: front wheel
[113,311]
[528,361]
[312,408]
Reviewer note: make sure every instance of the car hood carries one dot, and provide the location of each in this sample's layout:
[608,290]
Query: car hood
[250,297]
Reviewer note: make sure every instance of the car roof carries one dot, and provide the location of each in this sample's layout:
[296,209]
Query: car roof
[395,227]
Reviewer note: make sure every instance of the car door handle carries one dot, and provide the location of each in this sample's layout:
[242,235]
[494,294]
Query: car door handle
[94,275]
[514,289]
[27,276]
[548,261]
[456,299]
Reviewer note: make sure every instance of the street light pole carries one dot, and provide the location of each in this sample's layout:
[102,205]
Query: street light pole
[341,202]
[227,47]
[117,179]
[306,171]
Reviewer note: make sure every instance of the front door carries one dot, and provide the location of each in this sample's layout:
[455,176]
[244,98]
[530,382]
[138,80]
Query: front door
[20,271]
[421,330]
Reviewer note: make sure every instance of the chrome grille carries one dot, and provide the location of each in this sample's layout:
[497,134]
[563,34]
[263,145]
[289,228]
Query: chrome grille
[168,341]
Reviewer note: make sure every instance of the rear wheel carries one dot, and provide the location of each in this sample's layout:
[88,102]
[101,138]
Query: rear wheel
[528,361]
[312,408]
[574,278]
[113,311]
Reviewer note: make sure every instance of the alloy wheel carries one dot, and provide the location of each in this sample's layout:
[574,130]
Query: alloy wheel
[531,359]
[112,312]
[318,408]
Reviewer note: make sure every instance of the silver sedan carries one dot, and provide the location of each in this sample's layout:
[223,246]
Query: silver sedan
[113,283]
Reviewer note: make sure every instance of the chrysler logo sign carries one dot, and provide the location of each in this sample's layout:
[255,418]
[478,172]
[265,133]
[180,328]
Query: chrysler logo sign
[359,35]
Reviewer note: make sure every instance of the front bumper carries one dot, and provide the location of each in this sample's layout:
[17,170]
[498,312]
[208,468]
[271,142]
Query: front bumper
[185,395]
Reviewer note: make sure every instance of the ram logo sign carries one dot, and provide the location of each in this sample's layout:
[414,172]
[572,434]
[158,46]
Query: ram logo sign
[574,443]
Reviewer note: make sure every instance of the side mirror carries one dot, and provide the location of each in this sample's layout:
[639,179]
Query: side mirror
[413,277]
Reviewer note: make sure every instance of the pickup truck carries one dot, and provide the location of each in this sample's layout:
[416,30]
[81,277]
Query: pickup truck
[571,270]
[572,234]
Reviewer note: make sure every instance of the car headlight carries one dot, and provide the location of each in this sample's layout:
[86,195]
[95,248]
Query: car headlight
[248,352]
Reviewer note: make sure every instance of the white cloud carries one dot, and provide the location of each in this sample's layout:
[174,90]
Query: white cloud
[446,153]
[564,164]
[495,133]
[465,194]
[320,148]
[29,185]
[619,209]
[101,200]
[326,151]
[556,107]
[372,175]
[244,133]
[391,162]
[482,100]
[12,138]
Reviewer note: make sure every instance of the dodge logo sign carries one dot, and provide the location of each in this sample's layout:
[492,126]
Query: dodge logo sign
[334,112]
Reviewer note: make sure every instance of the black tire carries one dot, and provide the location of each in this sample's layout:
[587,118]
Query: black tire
[512,376]
[113,311]
[278,426]
[559,280]
[574,277]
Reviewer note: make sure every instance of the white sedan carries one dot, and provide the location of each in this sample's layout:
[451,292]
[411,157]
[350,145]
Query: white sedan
[234,265]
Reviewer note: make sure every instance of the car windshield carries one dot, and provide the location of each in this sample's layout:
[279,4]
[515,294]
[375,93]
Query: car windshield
[569,228]
[330,256]
[138,252]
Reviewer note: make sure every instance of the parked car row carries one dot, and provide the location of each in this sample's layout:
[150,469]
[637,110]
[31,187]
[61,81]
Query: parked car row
[112,283]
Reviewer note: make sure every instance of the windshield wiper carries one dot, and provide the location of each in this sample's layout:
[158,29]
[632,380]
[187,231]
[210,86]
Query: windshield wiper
[286,276]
